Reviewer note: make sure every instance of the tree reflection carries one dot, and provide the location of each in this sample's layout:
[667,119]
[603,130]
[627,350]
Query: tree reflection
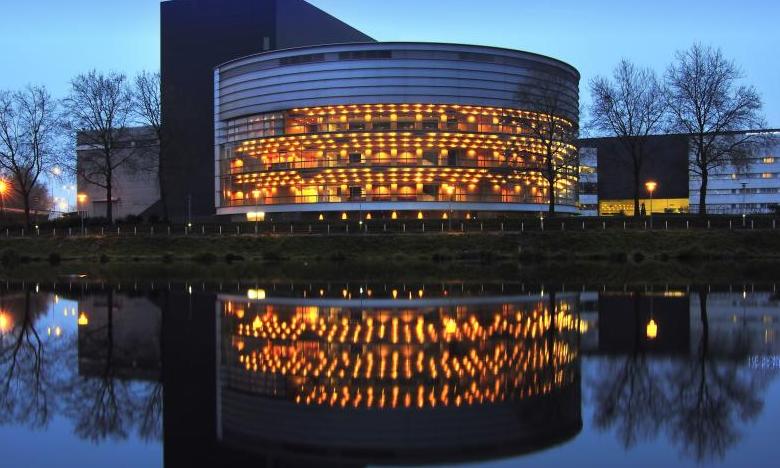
[106,404]
[27,367]
[41,375]
[699,402]
[710,397]
[628,393]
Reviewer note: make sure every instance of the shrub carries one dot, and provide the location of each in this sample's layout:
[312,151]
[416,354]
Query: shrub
[10,258]
[205,257]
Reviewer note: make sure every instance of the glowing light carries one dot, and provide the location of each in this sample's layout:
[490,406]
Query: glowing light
[450,326]
[651,186]
[394,215]
[83,320]
[652,329]
[5,322]
[322,217]
[255,294]
[344,216]
[420,215]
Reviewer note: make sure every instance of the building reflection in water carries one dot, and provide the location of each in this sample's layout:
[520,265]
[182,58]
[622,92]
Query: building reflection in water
[398,375]
[327,374]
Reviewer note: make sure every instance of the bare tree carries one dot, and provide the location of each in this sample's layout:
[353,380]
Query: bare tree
[29,126]
[707,103]
[99,109]
[631,107]
[147,101]
[556,134]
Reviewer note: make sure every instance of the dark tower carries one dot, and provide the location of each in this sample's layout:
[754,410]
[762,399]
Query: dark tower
[198,35]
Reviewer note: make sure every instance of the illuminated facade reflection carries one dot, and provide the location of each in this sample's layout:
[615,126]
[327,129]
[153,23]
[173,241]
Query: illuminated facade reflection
[370,362]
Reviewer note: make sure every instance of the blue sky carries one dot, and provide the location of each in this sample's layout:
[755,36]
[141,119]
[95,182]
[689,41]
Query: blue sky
[49,41]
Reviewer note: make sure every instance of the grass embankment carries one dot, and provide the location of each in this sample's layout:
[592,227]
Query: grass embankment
[566,257]
[485,248]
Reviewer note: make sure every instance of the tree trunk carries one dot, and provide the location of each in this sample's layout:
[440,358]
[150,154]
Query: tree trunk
[705,326]
[109,199]
[27,221]
[703,193]
[552,197]
[637,183]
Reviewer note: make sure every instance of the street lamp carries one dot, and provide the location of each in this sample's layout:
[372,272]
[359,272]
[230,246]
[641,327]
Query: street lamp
[651,186]
[81,199]
[744,203]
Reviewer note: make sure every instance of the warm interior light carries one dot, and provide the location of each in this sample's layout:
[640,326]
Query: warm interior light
[322,217]
[83,320]
[255,294]
[394,215]
[344,216]
[420,215]
[652,329]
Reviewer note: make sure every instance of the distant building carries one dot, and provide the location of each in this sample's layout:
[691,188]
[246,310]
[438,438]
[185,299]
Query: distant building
[135,184]
[752,189]
[667,165]
[589,182]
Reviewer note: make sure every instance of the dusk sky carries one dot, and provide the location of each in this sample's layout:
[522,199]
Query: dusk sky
[48,41]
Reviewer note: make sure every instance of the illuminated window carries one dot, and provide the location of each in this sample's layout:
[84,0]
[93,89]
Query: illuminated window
[768,160]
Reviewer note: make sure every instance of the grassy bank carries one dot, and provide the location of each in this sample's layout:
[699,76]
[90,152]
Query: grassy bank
[634,247]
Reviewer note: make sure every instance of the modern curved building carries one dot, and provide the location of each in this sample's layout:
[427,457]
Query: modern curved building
[389,130]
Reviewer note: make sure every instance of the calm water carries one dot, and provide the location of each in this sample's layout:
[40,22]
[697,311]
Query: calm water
[335,374]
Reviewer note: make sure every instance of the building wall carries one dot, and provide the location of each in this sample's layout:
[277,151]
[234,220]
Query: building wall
[135,183]
[198,35]
[390,126]
[589,182]
[666,164]
[745,190]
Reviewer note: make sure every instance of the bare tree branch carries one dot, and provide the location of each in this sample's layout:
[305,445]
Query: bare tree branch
[630,107]
[707,104]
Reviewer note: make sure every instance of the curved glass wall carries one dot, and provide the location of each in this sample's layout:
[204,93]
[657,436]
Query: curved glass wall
[398,154]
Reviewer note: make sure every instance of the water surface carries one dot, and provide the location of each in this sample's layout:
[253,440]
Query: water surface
[152,373]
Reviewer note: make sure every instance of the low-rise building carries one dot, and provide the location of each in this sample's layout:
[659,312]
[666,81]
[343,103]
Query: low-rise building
[749,188]
[135,184]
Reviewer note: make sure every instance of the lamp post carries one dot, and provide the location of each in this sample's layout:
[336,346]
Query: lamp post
[744,204]
[81,198]
[651,186]
[3,189]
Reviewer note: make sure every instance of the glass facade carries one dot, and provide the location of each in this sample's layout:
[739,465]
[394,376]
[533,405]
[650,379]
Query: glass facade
[385,153]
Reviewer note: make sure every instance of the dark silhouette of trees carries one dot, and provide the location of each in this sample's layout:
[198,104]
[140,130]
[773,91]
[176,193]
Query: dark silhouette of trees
[707,103]
[630,107]
[99,110]
[556,135]
[146,105]
[29,127]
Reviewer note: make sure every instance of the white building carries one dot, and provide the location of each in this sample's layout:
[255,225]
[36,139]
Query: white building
[589,182]
[750,190]
[135,181]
